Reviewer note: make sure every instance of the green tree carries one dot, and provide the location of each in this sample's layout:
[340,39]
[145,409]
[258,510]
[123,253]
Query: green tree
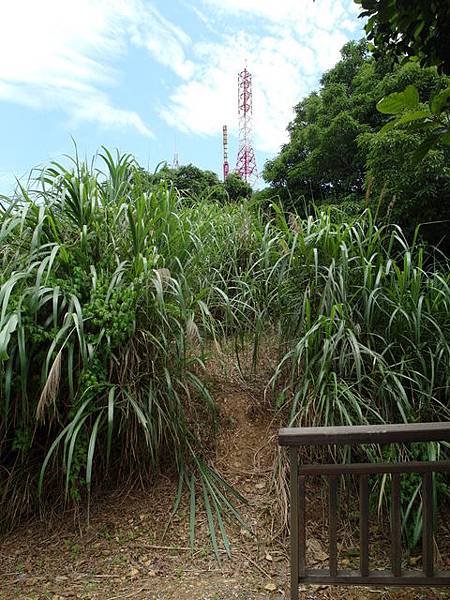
[339,141]
[322,159]
[236,187]
[405,192]
[432,119]
[405,29]
[194,183]
[190,181]
[417,31]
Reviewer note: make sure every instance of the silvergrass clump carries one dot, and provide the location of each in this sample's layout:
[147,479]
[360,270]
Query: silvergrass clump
[102,340]
[366,337]
[114,291]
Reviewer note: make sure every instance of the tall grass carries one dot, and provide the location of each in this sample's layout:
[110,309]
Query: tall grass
[363,321]
[113,294]
[102,339]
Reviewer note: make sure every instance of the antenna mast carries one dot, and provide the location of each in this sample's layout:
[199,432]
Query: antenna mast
[246,161]
[226,165]
[175,164]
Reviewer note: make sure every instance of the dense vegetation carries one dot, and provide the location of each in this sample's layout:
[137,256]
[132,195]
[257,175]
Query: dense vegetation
[118,286]
[402,30]
[195,184]
[340,151]
[114,293]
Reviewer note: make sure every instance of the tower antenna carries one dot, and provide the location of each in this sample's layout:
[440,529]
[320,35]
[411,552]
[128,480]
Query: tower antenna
[246,161]
[175,164]
[226,165]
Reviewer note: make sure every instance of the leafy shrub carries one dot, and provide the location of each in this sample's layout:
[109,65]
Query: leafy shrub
[236,188]
[345,208]
[410,193]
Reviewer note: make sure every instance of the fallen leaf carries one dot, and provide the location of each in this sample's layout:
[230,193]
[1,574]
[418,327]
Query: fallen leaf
[270,586]
[134,572]
[245,533]
[314,547]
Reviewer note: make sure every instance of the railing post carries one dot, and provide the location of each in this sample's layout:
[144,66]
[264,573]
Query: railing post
[294,489]
[304,437]
[332,524]
[301,526]
[396,526]
[364,525]
[427,527]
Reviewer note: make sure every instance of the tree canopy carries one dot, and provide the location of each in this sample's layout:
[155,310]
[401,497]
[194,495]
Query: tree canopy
[402,29]
[338,141]
[192,182]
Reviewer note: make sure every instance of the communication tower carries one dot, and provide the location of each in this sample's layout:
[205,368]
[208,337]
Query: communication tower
[246,161]
[226,165]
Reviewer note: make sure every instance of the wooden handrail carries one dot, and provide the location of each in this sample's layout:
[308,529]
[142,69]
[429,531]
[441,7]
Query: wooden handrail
[298,437]
[364,434]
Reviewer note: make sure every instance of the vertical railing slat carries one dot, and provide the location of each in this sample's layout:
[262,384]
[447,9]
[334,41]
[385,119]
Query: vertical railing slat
[333,474]
[302,526]
[294,490]
[364,525]
[427,528]
[332,524]
[396,527]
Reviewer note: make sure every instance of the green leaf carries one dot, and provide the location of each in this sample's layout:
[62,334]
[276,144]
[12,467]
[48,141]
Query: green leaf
[424,148]
[53,447]
[192,511]
[5,335]
[210,518]
[417,115]
[399,101]
[111,397]
[72,436]
[441,101]
[90,454]
[411,96]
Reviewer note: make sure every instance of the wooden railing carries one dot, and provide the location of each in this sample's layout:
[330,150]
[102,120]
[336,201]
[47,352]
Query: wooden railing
[296,438]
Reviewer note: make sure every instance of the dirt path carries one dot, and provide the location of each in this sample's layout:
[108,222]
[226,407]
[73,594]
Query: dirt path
[122,555]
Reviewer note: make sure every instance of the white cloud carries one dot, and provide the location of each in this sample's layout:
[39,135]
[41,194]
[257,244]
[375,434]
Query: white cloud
[59,54]
[164,40]
[62,55]
[287,45]
[298,15]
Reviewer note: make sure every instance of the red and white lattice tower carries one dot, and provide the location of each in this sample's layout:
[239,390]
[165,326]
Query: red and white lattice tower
[226,164]
[246,161]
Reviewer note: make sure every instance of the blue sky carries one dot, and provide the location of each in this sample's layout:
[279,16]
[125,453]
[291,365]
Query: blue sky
[152,77]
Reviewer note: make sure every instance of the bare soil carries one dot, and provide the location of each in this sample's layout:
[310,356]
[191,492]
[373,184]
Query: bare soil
[122,553]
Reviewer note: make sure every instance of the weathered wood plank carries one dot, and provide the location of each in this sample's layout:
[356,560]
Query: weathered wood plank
[370,434]
[332,523]
[364,525]
[396,527]
[372,468]
[294,489]
[382,578]
[427,528]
